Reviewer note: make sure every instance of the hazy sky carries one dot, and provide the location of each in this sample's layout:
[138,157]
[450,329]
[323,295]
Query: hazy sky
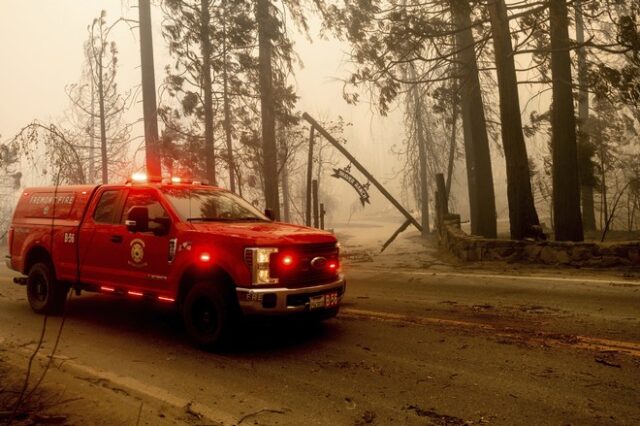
[41,43]
[41,52]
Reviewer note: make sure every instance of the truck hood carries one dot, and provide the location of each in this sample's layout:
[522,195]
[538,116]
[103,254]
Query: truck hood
[265,233]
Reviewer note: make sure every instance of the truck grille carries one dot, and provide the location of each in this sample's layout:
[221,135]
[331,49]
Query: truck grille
[302,273]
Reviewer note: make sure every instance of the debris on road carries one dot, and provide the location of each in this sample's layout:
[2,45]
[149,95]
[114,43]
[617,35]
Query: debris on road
[368,417]
[437,418]
[262,411]
[608,363]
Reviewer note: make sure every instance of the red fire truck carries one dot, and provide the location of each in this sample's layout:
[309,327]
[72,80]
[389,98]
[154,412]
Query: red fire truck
[201,248]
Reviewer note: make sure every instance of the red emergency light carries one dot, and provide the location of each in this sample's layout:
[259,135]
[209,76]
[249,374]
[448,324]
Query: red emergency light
[287,260]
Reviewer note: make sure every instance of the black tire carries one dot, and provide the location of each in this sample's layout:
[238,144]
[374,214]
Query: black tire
[46,295]
[209,316]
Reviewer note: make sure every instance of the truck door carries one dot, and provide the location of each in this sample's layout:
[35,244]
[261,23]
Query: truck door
[101,239]
[147,262]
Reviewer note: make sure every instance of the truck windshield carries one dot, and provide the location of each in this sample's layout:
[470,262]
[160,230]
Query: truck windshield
[211,205]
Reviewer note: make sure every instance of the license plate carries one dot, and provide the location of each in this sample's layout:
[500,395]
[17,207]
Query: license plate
[328,300]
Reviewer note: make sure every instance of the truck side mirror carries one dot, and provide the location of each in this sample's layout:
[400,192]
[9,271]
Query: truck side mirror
[269,214]
[137,219]
[163,224]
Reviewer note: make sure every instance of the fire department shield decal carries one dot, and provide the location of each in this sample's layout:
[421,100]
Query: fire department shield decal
[137,252]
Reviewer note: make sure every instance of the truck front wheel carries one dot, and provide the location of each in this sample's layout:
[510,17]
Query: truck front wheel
[207,315]
[46,295]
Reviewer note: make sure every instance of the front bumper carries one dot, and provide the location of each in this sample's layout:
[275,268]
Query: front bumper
[279,301]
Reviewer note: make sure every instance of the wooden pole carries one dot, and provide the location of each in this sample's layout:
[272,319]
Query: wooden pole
[309,177]
[364,171]
[316,222]
[322,212]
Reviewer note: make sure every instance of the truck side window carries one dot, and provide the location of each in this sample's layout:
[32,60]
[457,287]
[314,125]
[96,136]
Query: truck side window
[106,210]
[151,202]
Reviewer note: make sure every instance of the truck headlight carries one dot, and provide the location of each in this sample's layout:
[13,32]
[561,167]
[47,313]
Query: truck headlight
[258,259]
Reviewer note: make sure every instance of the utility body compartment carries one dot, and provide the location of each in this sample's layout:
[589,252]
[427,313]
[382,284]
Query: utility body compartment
[48,218]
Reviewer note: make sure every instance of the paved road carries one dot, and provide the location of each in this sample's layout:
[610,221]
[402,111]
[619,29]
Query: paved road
[409,347]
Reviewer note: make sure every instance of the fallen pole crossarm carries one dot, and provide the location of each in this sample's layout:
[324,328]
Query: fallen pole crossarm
[364,171]
[404,226]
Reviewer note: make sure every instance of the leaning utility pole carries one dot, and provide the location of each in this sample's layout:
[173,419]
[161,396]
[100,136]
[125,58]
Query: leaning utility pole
[151,139]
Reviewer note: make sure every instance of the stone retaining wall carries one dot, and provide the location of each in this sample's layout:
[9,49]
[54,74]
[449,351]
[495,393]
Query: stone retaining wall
[594,255]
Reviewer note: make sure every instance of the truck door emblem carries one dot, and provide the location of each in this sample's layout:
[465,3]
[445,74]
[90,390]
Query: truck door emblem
[137,252]
[318,262]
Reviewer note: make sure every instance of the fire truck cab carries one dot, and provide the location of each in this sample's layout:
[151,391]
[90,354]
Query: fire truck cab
[201,248]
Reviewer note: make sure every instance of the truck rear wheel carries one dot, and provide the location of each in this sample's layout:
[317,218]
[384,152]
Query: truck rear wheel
[46,295]
[207,313]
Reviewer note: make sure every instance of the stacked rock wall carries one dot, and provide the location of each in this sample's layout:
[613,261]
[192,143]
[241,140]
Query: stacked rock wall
[593,255]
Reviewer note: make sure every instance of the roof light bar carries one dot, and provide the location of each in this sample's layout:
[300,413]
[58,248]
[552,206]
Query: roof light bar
[139,177]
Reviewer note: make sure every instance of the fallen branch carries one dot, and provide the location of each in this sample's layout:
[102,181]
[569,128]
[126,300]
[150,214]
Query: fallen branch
[264,410]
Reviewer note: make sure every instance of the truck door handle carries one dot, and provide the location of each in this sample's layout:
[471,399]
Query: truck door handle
[116,238]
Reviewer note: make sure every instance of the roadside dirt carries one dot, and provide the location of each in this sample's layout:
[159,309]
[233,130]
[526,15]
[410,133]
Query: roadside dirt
[70,397]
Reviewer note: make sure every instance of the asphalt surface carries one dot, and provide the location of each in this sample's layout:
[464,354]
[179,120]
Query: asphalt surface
[409,347]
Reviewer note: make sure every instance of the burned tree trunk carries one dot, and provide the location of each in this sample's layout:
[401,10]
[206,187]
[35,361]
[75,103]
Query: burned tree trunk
[152,148]
[227,104]
[103,126]
[584,144]
[566,185]
[267,106]
[523,217]
[205,46]
[416,106]
[481,194]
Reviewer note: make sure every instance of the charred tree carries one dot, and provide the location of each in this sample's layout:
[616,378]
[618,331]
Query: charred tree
[266,33]
[585,149]
[452,140]
[479,174]
[226,100]
[149,91]
[416,106]
[207,88]
[566,185]
[523,217]
[103,129]
[98,106]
